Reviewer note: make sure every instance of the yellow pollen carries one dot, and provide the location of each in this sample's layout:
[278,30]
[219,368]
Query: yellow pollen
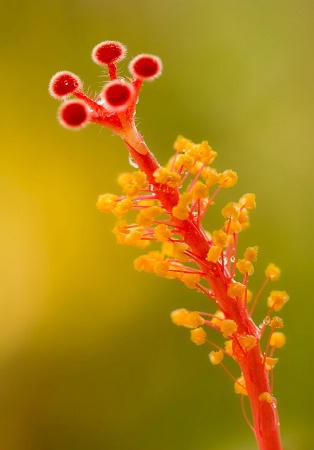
[182,144]
[277,299]
[178,251]
[214,253]
[229,347]
[251,253]
[106,202]
[174,179]
[162,233]
[211,177]
[228,327]
[216,357]
[161,175]
[233,226]
[191,280]
[247,342]
[277,339]
[146,216]
[198,336]
[217,319]
[272,272]
[236,290]
[131,190]
[182,317]
[265,397]
[245,267]
[184,161]
[227,179]
[181,210]
[122,207]
[240,386]
[276,322]
[161,268]
[231,209]
[270,363]
[220,238]
[200,190]
[147,262]
[247,201]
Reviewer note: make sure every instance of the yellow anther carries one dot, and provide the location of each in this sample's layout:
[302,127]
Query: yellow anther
[277,299]
[174,179]
[146,216]
[216,357]
[131,190]
[240,386]
[161,175]
[106,202]
[247,201]
[184,318]
[276,322]
[161,268]
[218,318]
[270,363]
[197,166]
[265,397]
[122,207]
[198,336]
[214,253]
[208,155]
[244,218]
[247,342]
[227,179]
[277,339]
[191,280]
[121,227]
[236,290]
[181,210]
[147,262]
[233,226]
[184,161]
[140,180]
[200,190]
[179,316]
[178,251]
[245,267]
[167,249]
[272,272]
[134,236]
[251,253]
[231,209]
[124,179]
[182,144]
[229,347]
[228,327]
[211,177]
[220,238]
[162,233]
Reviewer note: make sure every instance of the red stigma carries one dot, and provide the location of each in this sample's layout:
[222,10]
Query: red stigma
[108,52]
[118,95]
[63,84]
[145,67]
[73,114]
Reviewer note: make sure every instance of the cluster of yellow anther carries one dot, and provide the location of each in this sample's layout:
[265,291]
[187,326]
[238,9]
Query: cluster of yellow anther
[190,176]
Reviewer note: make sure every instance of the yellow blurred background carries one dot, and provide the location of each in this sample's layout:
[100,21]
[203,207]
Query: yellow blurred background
[89,359]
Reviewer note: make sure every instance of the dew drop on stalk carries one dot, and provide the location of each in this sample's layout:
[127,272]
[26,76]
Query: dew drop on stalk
[132,162]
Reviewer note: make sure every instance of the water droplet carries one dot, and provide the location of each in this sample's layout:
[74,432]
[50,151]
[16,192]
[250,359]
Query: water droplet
[132,162]
[232,259]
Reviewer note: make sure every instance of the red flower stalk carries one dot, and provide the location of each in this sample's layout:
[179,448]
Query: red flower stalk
[207,262]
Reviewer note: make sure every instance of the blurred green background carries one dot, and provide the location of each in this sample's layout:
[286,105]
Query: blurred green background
[89,358]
